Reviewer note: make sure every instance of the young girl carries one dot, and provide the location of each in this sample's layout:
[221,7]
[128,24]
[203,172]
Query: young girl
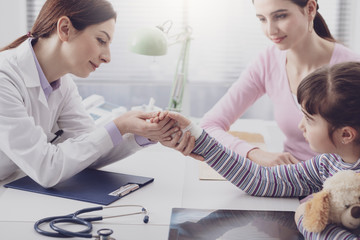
[330,102]
[38,98]
[301,43]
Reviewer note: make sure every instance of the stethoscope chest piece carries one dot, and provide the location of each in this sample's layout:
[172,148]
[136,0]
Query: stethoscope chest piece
[104,234]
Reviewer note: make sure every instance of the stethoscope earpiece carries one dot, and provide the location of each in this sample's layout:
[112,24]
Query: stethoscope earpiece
[146,219]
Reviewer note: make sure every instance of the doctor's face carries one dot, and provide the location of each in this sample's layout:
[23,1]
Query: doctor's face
[282,21]
[90,48]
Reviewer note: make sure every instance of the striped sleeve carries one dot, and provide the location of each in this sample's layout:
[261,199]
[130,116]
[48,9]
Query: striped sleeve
[280,181]
[331,232]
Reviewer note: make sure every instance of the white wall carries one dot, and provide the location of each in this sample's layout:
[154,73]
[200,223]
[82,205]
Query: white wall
[12,20]
[355,38]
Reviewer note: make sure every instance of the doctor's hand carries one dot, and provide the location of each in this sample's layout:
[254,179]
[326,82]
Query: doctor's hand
[182,142]
[269,159]
[136,122]
[181,121]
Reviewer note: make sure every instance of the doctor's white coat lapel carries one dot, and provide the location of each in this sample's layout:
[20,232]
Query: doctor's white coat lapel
[39,108]
[31,78]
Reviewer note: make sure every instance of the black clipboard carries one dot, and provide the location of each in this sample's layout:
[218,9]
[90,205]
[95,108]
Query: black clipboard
[90,185]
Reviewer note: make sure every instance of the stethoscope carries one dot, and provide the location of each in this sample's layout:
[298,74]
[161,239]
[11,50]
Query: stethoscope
[73,218]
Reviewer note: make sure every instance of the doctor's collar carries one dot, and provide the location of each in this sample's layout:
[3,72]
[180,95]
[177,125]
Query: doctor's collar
[44,83]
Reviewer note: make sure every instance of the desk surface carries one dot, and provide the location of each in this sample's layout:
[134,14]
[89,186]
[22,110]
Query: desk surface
[176,185]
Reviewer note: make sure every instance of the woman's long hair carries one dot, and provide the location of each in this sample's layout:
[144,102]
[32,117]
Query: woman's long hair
[82,13]
[320,26]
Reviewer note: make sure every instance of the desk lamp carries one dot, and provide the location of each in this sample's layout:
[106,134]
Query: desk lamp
[154,41]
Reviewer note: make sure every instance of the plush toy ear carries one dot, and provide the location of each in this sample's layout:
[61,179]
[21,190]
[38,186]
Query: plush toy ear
[317,212]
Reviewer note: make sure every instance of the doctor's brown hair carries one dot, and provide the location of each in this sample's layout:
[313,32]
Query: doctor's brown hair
[82,13]
[333,93]
[320,26]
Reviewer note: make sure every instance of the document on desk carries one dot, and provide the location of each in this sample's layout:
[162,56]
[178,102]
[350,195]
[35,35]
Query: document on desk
[202,224]
[90,185]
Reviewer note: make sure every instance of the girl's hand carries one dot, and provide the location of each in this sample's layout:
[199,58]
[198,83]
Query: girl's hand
[182,121]
[185,145]
[182,142]
[269,159]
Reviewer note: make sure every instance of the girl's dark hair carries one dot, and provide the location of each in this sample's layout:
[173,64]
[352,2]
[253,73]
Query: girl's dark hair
[82,13]
[320,26]
[333,93]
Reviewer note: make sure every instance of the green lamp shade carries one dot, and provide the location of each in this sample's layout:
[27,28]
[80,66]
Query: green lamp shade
[149,41]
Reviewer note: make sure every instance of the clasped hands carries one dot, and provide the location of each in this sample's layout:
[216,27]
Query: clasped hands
[164,127]
[177,136]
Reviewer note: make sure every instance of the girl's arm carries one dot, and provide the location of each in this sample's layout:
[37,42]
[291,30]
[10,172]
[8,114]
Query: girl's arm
[280,181]
[331,231]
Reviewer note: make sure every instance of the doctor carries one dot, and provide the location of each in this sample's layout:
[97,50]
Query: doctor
[38,97]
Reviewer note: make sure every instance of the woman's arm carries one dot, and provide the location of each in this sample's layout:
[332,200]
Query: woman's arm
[263,76]
[239,97]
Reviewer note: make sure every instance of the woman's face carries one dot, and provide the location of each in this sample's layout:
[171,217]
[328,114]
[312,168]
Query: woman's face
[90,48]
[282,21]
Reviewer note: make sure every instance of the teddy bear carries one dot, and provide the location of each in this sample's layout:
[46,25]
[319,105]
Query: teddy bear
[338,202]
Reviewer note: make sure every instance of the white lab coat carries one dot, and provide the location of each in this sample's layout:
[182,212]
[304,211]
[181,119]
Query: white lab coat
[28,122]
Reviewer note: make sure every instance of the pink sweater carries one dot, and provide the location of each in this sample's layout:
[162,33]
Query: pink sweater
[266,75]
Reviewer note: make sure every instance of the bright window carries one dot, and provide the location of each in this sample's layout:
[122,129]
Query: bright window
[226,36]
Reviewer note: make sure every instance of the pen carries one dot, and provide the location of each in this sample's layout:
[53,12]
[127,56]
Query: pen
[58,134]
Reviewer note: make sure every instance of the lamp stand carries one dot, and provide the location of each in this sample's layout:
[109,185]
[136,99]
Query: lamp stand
[180,79]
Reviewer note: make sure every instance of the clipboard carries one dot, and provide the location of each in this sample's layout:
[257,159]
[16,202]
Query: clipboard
[90,185]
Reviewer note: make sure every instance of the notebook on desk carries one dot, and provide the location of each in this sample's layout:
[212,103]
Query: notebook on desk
[90,185]
[202,224]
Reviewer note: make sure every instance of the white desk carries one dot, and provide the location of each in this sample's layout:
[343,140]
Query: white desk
[176,184]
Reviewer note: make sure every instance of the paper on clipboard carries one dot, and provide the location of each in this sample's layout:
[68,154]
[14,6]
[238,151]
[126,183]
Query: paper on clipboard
[256,139]
[90,185]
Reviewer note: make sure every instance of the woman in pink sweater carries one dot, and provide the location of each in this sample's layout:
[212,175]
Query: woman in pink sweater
[302,43]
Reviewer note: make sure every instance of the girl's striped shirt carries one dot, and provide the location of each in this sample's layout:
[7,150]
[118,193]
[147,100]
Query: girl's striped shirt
[293,180]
